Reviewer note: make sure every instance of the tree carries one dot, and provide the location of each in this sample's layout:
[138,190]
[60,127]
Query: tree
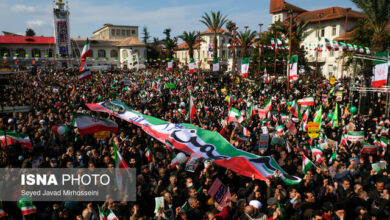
[168,43]
[378,13]
[214,23]
[146,35]
[30,32]
[246,38]
[230,25]
[190,38]
[167,33]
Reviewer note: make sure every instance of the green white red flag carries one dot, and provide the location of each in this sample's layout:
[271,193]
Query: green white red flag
[192,108]
[294,109]
[170,65]
[306,164]
[3,213]
[191,66]
[355,136]
[84,54]
[234,115]
[192,139]
[11,138]
[88,125]
[292,68]
[268,104]
[307,101]
[26,205]
[106,214]
[245,67]
[215,65]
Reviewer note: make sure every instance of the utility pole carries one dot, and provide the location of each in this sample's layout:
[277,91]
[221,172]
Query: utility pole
[234,29]
[345,35]
[259,49]
[289,53]
[319,34]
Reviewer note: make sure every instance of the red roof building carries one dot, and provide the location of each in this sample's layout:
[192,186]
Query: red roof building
[15,39]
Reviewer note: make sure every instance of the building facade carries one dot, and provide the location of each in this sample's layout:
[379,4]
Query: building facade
[328,23]
[115,32]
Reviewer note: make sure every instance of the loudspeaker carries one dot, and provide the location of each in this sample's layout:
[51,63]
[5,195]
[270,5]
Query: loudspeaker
[364,104]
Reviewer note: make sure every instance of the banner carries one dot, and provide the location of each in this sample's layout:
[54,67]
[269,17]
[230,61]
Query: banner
[191,139]
[61,32]
[381,70]
[219,192]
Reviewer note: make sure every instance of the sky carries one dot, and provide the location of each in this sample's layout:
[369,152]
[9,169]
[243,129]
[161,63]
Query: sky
[86,16]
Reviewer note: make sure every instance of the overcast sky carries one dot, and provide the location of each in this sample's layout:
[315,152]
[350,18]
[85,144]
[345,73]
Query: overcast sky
[87,16]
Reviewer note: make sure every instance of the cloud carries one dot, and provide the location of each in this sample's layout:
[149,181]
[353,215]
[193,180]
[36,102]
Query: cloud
[35,23]
[23,9]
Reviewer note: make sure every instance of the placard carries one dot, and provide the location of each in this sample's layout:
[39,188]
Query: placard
[219,192]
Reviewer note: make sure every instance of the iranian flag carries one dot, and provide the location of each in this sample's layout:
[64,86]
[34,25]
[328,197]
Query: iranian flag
[234,116]
[294,109]
[191,66]
[284,116]
[306,164]
[292,68]
[367,50]
[273,42]
[268,104]
[85,53]
[85,73]
[26,206]
[148,153]
[244,67]
[344,140]
[317,153]
[217,148]
[343,46]
[266,78]
[381,70]
[327,43]
[318,117]
[279,129]
[121,167]
[335,45]
[106,214]
[170,65]
[384,143]
[306,101]
[333,157]
[305,116]
[192,108]
[355,136]
[3,213]
[11,138]
[377,141]
[251,110]
[88,125]
[279,42]
[215,65]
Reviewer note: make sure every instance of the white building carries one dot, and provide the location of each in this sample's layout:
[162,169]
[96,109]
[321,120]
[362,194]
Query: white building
[203,56]
[327,23]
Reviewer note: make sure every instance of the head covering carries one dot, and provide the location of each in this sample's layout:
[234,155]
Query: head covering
[256,204]
[272,201]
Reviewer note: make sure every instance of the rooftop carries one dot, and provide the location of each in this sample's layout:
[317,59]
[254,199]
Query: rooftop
[277,6]
[17,39]
[111,25]
[221,30]
[329,14]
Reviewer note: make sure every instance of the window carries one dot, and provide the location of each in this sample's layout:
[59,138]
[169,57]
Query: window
[317,33]
[113,32]
[123,32]
[36,52]
[118,32]
[20,52]
[323,32]
[132,31]
[50,53]
[334,31]
[124,54]
[331,53]
[114,53]
[128,32]
[330,70]
[4,52]
[101,53]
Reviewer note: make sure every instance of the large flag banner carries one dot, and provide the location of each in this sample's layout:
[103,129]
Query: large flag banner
[191,66]
[85,73]
[88,125]
[245,67]
[11,138]
[293,68]
[381,70]
[191,139]
[215,65]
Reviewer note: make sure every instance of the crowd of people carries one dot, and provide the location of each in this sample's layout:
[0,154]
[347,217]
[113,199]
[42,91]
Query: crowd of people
[341,184]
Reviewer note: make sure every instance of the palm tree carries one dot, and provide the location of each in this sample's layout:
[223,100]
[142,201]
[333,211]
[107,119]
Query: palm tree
[190,38]
[167,33]
[169,45]
[230,25]
[214,23]
[378,13]
[246,38]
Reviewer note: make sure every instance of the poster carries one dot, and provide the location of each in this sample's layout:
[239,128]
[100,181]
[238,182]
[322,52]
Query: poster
[219,192]
[264,139]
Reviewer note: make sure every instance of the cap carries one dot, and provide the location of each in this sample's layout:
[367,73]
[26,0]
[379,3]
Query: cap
[256,204]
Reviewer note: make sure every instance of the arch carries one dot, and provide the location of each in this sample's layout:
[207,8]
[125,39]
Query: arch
[20,52]
[101,53]
[113,53]
[35,52]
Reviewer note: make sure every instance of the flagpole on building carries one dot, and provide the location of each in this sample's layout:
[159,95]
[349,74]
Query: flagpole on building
[345,35]
[289,53]
[318,45]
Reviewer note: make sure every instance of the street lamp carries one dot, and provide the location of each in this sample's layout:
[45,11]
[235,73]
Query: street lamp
[234,41]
